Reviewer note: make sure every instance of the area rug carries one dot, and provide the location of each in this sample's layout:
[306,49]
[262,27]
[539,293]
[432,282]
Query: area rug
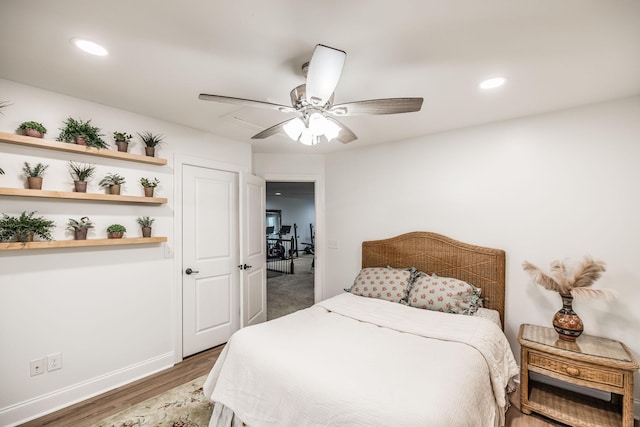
[182,406]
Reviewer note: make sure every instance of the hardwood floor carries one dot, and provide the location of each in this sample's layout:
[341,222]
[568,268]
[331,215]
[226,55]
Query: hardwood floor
[88,412]
[92,410]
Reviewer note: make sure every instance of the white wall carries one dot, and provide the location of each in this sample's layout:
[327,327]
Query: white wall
[541,188]
[110,312]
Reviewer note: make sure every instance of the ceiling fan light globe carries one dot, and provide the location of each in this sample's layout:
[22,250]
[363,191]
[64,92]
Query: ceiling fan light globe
[331,130]
[317,123]
[306,137]
[294,128]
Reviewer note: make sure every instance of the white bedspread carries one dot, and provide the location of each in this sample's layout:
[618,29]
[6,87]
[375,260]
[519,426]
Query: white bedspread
[354,361]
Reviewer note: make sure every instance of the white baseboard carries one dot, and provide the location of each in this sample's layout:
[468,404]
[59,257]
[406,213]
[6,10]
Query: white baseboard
[41,405]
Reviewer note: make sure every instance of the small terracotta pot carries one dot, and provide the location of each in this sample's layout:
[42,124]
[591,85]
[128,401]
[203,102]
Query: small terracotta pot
[80,186]
[33,133]
[122,146]
[115,235]
[80,140]
[148,191]
[34,182]
[25,237]
[150,151]
[146,231]
[114,189]
[80,233]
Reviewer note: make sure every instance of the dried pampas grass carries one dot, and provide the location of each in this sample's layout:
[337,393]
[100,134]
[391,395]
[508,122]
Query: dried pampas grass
[571,281]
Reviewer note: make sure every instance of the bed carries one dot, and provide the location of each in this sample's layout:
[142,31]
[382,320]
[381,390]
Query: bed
[359,359]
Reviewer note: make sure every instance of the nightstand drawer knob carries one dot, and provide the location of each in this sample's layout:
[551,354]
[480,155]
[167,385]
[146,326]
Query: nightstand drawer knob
[573,371]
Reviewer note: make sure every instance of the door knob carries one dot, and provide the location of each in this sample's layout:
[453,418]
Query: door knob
[244,267]
[189,271]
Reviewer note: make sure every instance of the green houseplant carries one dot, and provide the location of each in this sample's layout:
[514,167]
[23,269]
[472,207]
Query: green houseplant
[122,140]
[113,182]
[33,129]
[116,231]
[149,185]
[81,133]
[23,228]
[80,227]
[150,141]
[145,223]
[81,172]
[34,175]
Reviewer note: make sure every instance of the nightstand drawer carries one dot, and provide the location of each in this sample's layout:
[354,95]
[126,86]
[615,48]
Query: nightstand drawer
[576,370]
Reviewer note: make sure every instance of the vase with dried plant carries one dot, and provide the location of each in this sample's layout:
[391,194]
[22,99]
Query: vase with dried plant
[569,282]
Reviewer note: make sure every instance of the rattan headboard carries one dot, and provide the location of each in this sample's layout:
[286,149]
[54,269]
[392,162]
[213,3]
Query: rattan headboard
[446,257]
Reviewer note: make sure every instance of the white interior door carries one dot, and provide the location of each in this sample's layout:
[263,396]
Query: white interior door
[253,275]
[210,292]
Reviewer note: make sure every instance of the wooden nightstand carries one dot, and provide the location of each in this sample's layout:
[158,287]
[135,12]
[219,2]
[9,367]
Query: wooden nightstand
[594,362]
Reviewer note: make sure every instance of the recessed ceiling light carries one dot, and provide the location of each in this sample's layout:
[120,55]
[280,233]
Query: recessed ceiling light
[90,47]
[492,83]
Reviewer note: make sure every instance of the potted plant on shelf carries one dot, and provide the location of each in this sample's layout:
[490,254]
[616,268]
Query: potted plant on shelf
[33,129]
[116,231]
[145,223]
[81,172]
[81,133]
[112,182]
[149,185]
[122,140]
[34,175]
[150,140]
[23,228]
[80,227]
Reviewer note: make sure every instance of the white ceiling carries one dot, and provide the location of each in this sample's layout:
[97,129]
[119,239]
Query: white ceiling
[556,54]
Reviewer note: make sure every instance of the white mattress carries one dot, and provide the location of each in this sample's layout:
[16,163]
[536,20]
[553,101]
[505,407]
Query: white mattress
[352,360]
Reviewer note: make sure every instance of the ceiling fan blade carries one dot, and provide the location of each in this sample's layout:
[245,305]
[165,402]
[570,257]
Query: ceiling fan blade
[245,102]
[346,135]
[377,106]
[279,128]
[325,68]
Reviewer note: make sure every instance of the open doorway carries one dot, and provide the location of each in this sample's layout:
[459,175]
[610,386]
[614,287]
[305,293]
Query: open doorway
[290,229]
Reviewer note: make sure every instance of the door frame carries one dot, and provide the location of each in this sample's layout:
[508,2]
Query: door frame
[318,200]
[178,161]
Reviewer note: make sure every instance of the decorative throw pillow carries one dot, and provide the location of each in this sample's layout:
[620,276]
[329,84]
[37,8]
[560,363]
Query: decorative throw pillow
[391,284]
[444,294]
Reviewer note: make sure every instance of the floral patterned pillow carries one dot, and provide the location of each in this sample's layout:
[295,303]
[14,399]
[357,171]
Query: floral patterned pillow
[391,284]
[444,294]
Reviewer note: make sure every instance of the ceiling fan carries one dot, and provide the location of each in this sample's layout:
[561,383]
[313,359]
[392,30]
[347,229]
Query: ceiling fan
[314,102]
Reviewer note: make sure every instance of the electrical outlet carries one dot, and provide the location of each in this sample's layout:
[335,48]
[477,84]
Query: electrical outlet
[37,367]
[54,362]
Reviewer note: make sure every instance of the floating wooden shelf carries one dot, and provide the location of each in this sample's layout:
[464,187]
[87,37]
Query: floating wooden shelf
[54,244]
[28,141]
[21,192]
